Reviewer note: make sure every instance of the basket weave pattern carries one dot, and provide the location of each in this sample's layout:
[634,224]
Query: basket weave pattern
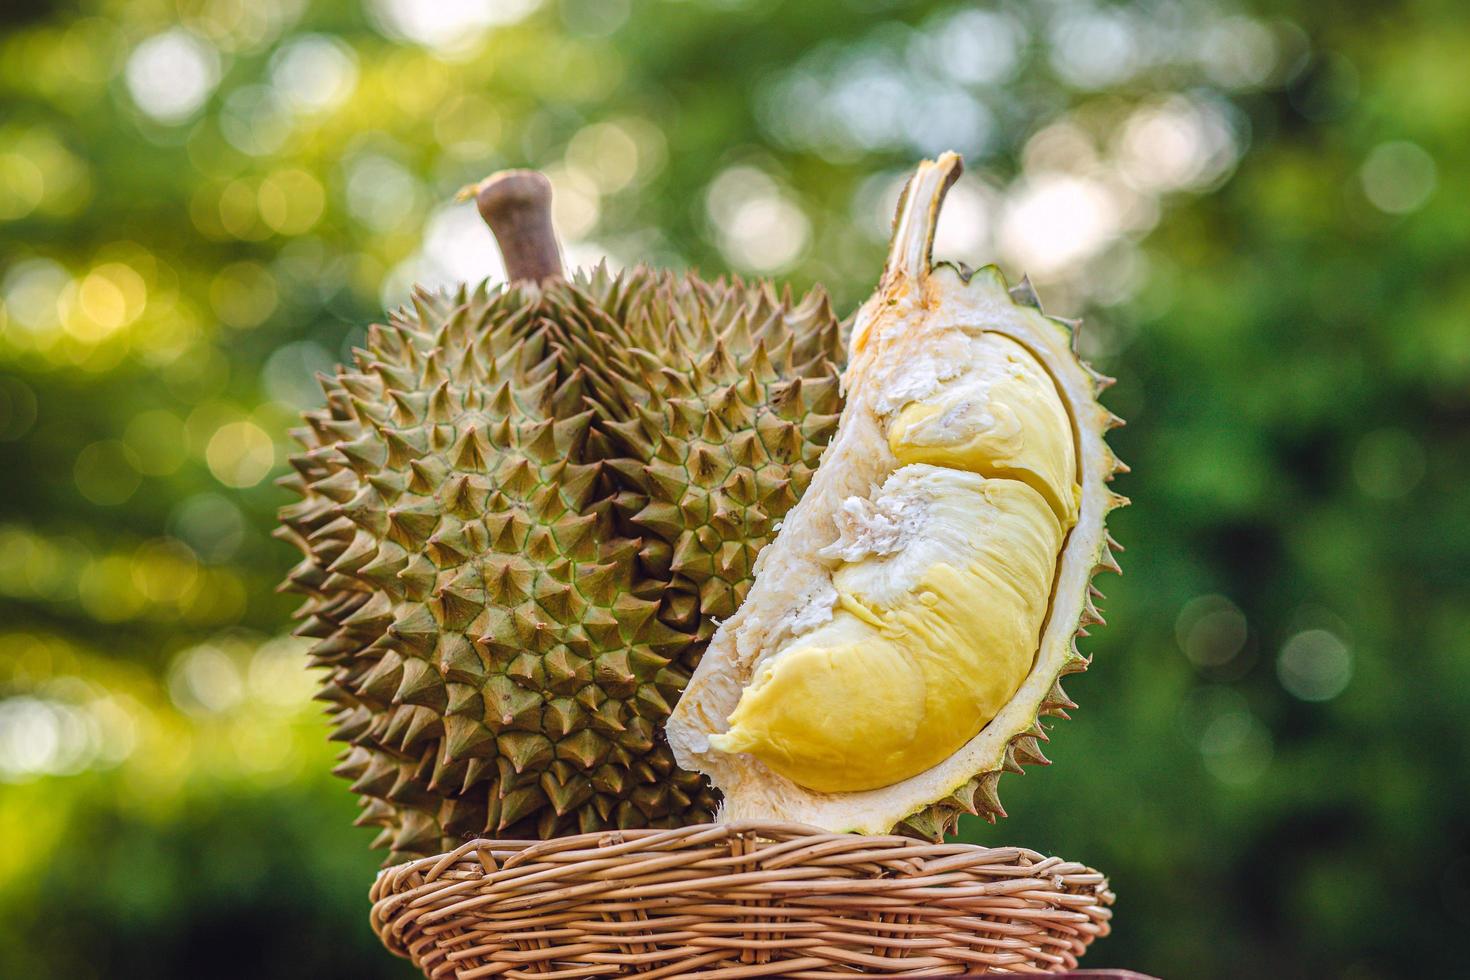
[748,899]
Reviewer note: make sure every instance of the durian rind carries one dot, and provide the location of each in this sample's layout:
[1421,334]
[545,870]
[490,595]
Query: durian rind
[904,341]
[521,508]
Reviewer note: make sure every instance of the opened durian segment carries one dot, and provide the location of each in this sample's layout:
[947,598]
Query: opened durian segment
[909,341]
[940,591]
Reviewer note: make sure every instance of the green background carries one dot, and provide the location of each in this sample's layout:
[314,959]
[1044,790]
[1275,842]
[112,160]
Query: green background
[1261,210]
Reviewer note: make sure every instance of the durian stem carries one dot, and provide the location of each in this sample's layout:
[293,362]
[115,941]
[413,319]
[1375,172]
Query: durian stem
[909,253]
[516,204]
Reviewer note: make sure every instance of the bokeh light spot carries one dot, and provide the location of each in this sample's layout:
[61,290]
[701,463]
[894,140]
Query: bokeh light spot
[123,300]
[32,290]
[576,203]
[104,301]
[458,242]
[598,18]
[239,210]
[107,472]
[1211,630]
[169,75]
[1177,144]
[314,72]
[1239,53]
[204,680]
[277,675]
[457,248]
[254,121]
[451,26]
[1094,48]
[164,570]
[381,193]
[977,47]
[1315,665]
[1398,177]
[243,294]
[291,201]
[42,737]
[1236,748]
[964,225]
[22,185]
[757,225]
[211,525]
[1052,222]
[606,154]
[240,454]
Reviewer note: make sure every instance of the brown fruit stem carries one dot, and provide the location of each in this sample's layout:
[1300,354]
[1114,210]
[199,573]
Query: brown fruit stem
[516,204]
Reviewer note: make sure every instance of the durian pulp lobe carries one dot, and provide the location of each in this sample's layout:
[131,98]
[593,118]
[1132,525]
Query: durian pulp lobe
[914,662]
[1002,417]
[927,643]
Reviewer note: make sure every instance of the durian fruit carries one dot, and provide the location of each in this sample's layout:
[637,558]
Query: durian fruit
[521,510]
[909,626]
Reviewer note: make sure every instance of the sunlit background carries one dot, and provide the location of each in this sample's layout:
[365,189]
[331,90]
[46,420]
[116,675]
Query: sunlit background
[1262,211]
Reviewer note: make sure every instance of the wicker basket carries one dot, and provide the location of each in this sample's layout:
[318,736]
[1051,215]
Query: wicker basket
[751,899]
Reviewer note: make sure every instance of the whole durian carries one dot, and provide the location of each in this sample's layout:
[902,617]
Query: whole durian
[909,626]
[523,508]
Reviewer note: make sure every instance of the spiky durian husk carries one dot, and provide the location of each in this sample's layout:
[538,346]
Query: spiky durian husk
[521,509]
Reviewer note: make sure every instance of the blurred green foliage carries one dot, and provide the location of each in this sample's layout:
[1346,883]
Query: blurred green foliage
[1261,212]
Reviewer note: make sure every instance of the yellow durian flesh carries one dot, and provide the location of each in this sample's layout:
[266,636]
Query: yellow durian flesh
[914,660]
[930,637]
[1002,417]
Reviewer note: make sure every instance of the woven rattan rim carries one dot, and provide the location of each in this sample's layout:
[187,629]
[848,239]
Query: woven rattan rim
[749,899]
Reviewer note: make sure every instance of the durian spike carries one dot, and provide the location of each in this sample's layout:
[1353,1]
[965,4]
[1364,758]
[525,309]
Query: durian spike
[516,204]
